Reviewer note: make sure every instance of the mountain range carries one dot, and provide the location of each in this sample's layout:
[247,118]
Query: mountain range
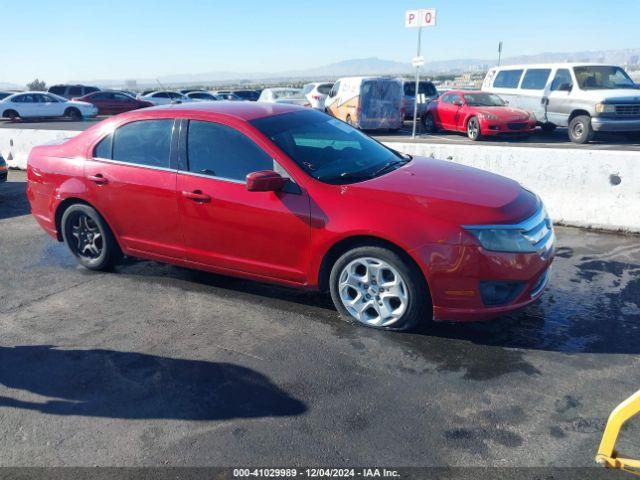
[374,66]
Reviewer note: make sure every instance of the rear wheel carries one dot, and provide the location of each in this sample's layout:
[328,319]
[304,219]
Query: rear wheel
[548,127]
[376,287]
[580,130]
[10,114]
[73,113]
[89,238]
[473,129]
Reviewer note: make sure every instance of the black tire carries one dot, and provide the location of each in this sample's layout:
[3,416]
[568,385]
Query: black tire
[73,113]
[473,129]
[74,232]
[580,130]
[11,115]
[418,304]
[429,123]
[548,127]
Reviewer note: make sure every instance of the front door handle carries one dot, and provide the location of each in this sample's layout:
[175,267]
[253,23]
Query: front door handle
[98,178]
[197,196]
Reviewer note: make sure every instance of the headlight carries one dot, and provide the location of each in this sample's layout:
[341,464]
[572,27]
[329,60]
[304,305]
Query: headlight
[502,240]
[488,116]
[605,108]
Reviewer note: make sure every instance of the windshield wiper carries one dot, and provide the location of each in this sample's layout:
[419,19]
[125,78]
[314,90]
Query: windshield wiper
[387,166]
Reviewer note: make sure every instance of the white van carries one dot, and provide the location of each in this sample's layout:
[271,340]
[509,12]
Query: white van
[586,97]
[368,103]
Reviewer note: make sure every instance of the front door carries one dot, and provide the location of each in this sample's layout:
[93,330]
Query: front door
[449,110]
[228,227]
[558,102]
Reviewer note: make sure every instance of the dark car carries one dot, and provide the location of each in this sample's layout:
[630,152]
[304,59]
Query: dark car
[5,94]
[113,102]
[250,95]
[3,170]
[72,91]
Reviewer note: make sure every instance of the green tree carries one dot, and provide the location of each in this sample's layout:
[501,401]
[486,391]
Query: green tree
[37,85]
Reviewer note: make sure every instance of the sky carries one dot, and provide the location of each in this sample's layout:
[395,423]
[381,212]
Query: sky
[64,40]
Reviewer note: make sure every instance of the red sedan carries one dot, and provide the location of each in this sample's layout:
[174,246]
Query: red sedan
[476,113]
[283,194]
[111,103]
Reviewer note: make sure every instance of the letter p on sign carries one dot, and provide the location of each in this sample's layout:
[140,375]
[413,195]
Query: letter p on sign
[420,18]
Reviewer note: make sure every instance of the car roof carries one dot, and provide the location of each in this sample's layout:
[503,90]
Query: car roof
[553,65]
[241,110]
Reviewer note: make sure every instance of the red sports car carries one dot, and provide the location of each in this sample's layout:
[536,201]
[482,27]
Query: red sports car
[476,113]
[284,194]
[113,102]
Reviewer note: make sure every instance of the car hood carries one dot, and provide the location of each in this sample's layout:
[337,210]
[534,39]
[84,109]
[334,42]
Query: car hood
[504,113]
[613,95]
[450,191]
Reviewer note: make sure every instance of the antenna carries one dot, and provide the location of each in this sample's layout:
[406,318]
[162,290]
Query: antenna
[163,87]
[499,51]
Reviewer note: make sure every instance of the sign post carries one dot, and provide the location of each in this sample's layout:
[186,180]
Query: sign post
[418,19]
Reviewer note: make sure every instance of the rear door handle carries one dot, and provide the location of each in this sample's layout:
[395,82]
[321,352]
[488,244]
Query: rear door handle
[98,178]
[197,196]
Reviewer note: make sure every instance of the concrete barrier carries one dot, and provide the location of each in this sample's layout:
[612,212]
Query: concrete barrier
[580,187]
[16,143]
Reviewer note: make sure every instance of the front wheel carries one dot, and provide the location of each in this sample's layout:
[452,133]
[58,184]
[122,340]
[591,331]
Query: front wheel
[473,129]
[429,123]
[73,113]
[580,130]
[89,238]
[376,287]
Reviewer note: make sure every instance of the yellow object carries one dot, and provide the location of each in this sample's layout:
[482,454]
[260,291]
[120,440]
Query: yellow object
[607,456]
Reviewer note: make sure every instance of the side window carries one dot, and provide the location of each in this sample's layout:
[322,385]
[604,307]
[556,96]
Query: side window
[103,149]
[334,89]
[507,79]
[75,91]
[147,142]
[18,99]
[58,90]
[563,77]
[536,78]
[221,151]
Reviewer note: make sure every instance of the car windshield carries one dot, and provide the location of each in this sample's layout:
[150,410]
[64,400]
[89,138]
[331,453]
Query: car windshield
[601,77]
[483,100]
[327,149]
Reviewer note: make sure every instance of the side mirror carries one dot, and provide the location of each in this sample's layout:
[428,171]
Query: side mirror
[265,181]
[458,103]
[565,87]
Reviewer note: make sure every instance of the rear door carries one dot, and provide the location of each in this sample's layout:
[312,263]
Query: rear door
[131,180]
[228,227]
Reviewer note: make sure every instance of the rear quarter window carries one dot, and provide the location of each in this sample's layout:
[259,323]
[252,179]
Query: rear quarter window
[507,79]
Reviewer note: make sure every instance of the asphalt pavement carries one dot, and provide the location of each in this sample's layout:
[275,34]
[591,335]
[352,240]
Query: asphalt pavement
[158,365]
[539,139]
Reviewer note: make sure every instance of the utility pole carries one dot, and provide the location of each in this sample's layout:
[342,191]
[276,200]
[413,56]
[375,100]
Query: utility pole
[499,52]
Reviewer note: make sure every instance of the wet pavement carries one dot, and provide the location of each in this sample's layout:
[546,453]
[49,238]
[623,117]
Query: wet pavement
[158,365]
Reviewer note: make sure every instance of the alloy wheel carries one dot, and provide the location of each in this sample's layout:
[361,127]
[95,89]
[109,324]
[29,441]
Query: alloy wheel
[373,292]
[89,239]
[473,129]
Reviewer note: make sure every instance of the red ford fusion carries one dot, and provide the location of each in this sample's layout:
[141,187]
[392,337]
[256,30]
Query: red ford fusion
[279,193]
[477,114]
[113,102]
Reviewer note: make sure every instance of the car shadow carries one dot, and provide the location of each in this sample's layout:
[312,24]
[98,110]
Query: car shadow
[13,200]
[129,385]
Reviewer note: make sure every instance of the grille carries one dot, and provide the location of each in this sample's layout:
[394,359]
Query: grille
[517,126]
[541,236]
[631,109]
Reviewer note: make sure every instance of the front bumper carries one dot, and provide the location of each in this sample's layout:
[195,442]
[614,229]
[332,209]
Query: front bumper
[491,127]
[608,124]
